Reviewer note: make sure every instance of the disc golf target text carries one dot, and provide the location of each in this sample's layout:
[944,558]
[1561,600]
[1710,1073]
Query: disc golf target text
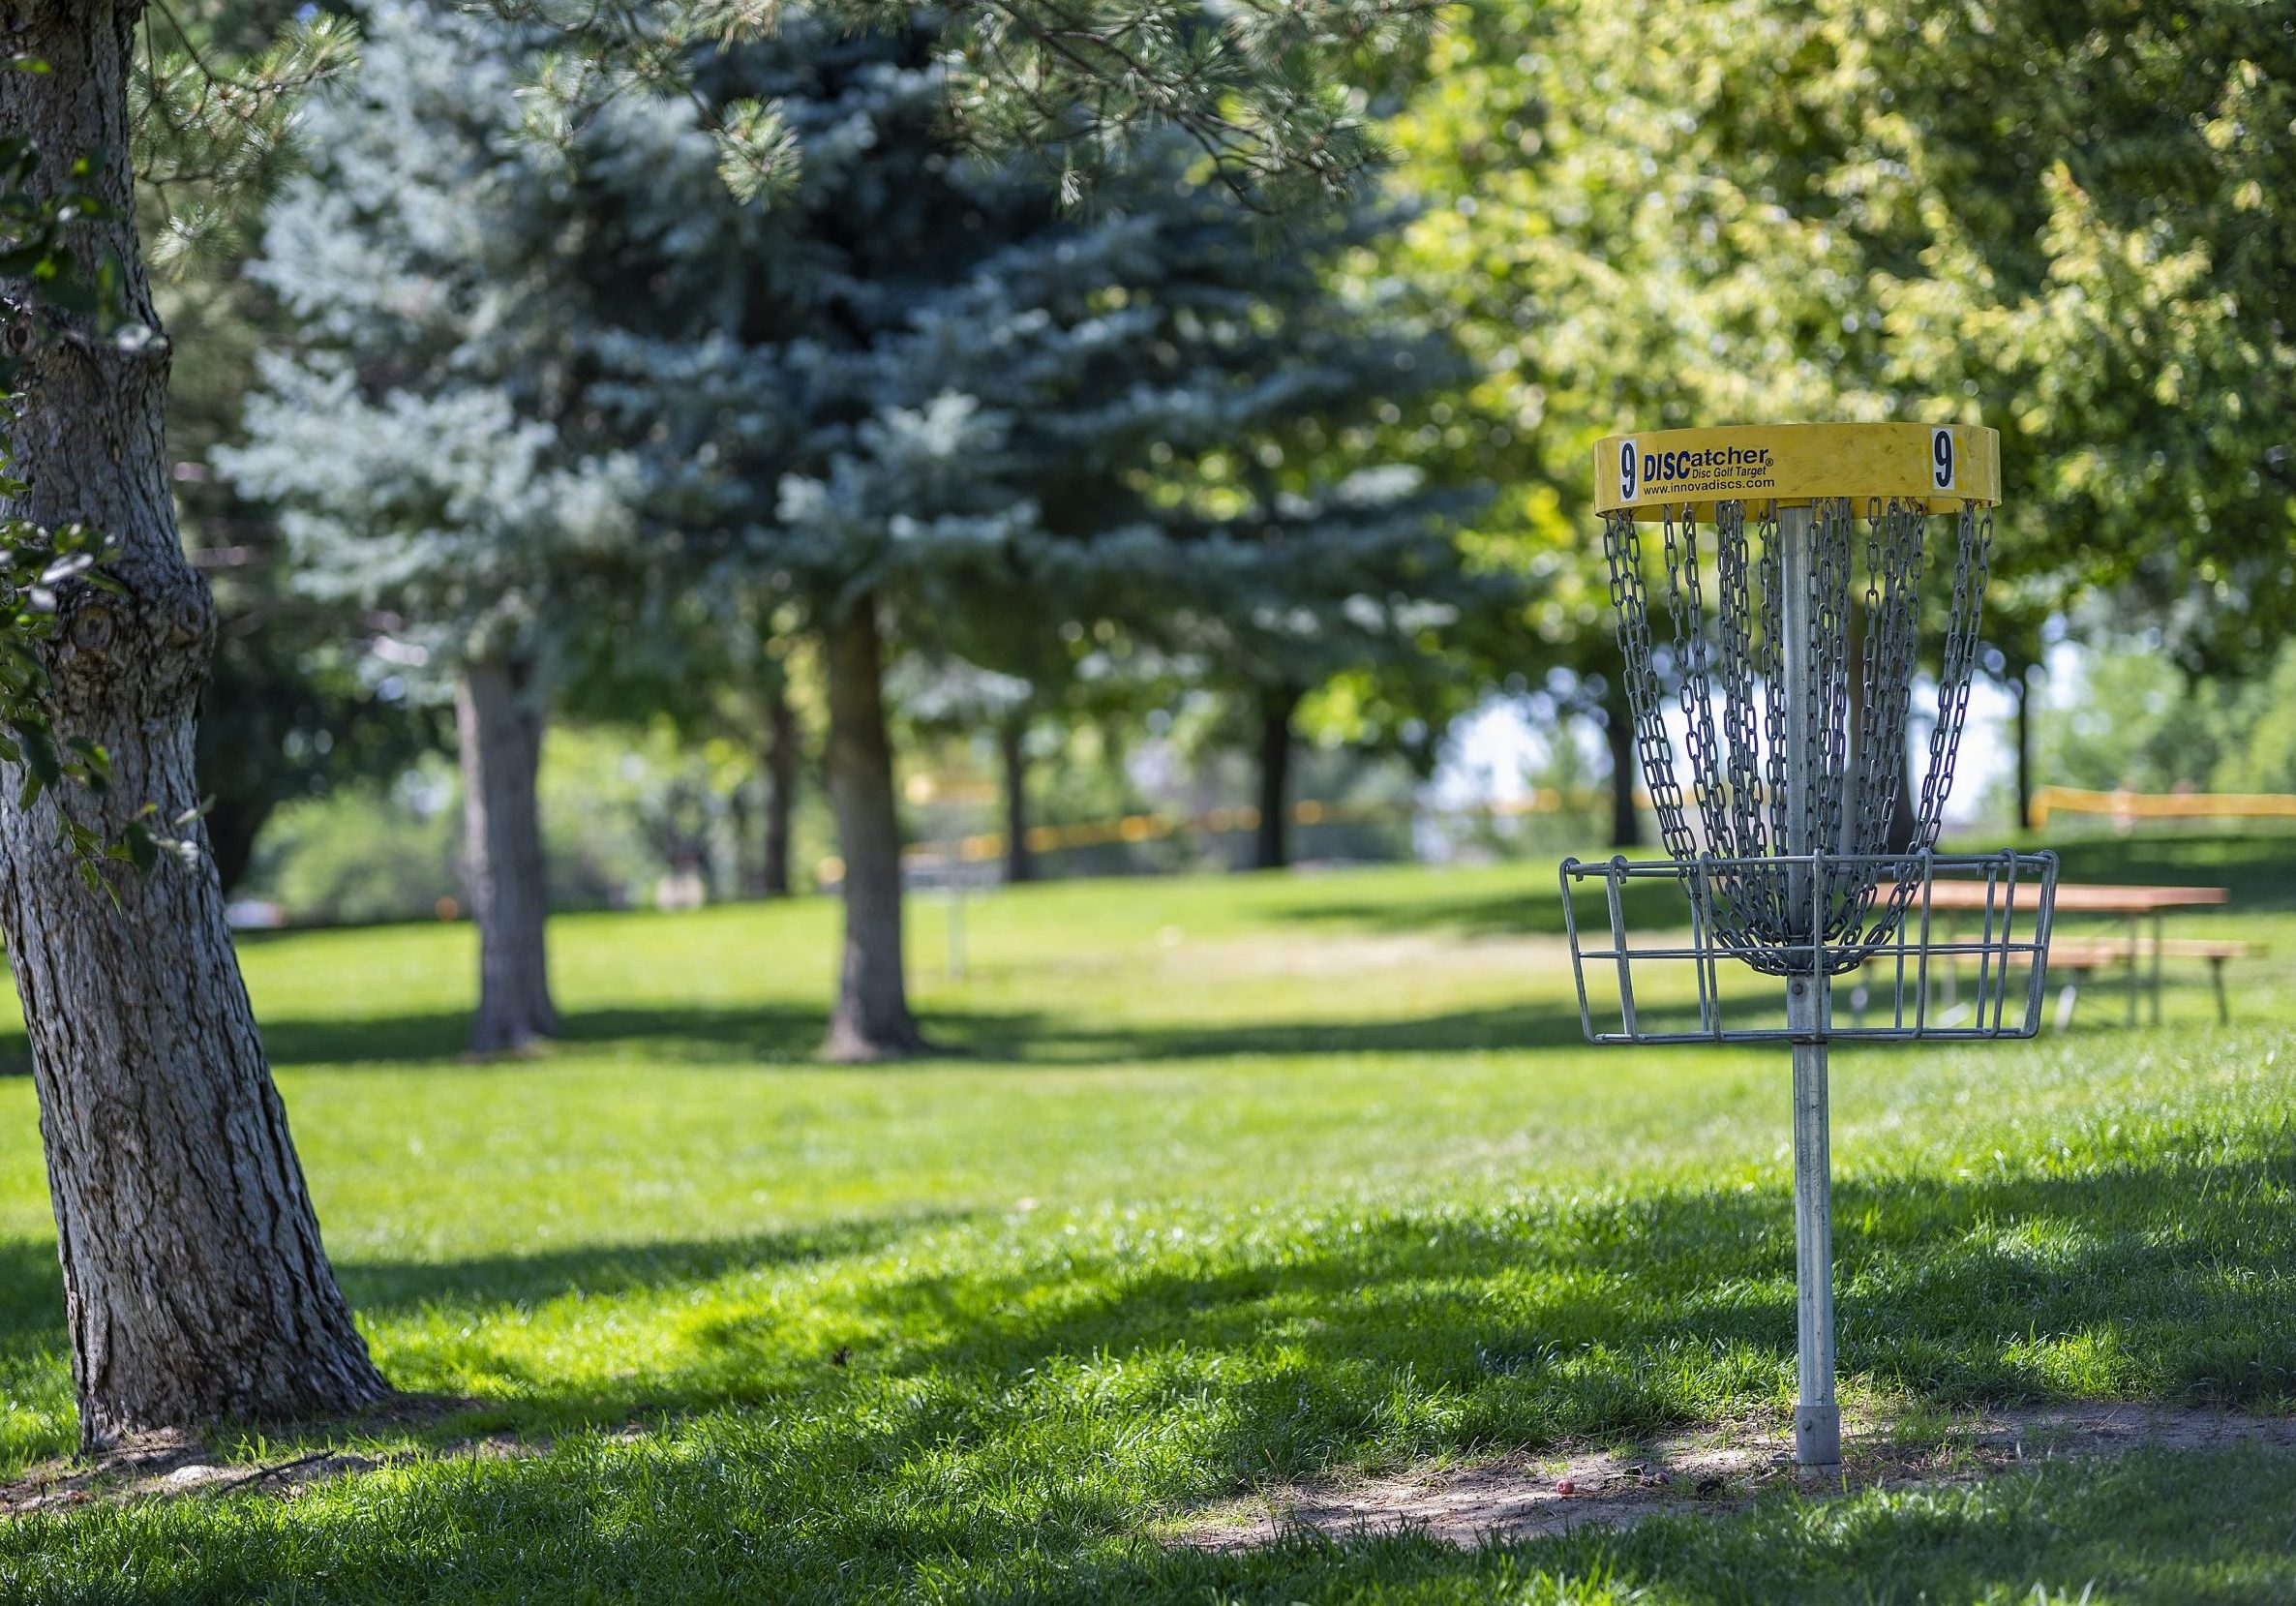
[1773,633]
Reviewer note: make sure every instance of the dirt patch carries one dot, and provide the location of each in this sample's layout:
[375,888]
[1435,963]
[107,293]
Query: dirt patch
[1716,1471]
[166,1465]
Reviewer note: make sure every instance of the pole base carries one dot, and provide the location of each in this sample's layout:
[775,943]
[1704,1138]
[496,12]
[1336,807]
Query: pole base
[1818,1440]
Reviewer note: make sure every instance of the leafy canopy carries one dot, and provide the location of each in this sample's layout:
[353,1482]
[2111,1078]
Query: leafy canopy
[1275,94]
[2068,222]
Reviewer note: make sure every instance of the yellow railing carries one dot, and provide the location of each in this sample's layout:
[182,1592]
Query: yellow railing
[2161,805]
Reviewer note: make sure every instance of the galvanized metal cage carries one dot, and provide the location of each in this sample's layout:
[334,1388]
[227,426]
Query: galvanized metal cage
[1956,948]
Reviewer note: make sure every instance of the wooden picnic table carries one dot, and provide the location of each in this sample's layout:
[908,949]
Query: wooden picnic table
[2134,904]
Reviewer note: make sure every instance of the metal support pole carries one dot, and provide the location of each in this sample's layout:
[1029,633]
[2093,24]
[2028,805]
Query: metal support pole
[1817,1418]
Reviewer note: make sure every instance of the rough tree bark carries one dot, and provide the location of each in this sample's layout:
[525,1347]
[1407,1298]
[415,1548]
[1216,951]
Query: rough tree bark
[196,1286]
[781,790]
[871,1020]
[498,724]
[1272,842]
[1020,865]
[1617,730]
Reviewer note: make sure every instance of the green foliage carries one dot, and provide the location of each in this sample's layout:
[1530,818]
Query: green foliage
[363,853]
[622,808]
[422,436]
[1271,94]
[624,394]
[290,709]
[2065,222]
[213,103]
[2134,720]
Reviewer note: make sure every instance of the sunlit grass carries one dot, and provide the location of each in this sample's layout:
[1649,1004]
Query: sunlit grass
[1240,1180]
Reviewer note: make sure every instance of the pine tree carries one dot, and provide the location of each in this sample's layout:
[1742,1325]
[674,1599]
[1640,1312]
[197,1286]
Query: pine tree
[953,417]
[423,442]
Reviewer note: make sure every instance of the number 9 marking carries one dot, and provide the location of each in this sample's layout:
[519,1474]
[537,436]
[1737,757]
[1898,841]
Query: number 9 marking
[1626,470]
[1941,459]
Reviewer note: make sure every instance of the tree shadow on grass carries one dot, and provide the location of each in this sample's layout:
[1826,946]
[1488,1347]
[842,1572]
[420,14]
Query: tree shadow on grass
[610,1271]
[672,1034]
[1008,1420]
[1623,1317]
[792,1037]
[31,1296]
[1547,1024]
[669,1033]
[1433,1331]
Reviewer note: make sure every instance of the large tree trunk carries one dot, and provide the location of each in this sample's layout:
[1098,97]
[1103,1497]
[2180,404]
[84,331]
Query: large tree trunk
[1618,735]
[1272,843]
[1020,865]
[871,1019]
[781,790]
[499,721]
[195,1284]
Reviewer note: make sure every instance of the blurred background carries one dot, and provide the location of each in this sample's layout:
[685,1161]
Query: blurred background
[1186,543]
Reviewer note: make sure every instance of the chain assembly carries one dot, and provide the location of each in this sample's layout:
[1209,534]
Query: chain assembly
[1723,669]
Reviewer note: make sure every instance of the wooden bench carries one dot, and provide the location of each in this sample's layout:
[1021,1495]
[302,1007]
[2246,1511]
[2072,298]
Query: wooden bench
[2085,956]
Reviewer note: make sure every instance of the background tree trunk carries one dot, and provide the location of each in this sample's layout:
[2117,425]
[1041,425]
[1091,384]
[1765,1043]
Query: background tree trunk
[781,789]
[499,721]
[749,872]
[232,826]
[1903,821]
[1272,843]
[1020,865]
[195,1283]
[871,1019]
[1626,772]
[2021,688]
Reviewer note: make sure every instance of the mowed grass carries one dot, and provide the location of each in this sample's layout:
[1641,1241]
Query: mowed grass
[1241,1181]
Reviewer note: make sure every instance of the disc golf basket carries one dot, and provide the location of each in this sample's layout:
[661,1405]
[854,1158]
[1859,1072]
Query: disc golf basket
[1775,588]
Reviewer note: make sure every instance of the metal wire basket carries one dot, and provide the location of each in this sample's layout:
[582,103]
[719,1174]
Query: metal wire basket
[1956,948]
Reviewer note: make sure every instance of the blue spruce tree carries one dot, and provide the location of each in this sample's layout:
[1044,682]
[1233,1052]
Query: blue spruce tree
[950,416]
[426,441]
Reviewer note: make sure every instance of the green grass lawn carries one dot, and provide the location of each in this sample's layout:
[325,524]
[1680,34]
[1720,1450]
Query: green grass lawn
[1243,1181]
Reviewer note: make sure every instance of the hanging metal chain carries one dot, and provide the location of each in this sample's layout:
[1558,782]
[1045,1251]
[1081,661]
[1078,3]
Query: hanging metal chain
[1858,687]
[1737,665]
[1622,546]
[1957,665]
[1828,755]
